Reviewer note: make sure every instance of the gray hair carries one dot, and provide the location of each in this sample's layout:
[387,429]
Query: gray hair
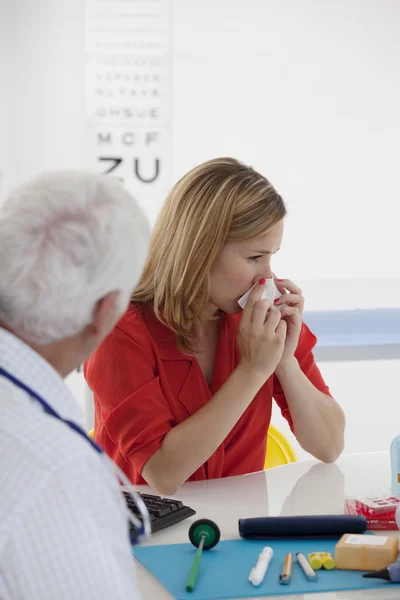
[67,239]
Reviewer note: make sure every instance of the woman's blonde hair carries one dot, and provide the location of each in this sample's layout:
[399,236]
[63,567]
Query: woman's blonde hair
[219,201]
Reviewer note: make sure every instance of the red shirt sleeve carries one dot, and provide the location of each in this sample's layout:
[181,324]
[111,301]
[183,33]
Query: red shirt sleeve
[133,415]
[305,357]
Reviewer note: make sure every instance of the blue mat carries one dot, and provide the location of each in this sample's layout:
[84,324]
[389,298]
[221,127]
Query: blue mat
[225,569]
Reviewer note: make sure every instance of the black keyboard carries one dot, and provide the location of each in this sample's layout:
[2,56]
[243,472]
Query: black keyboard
[163,512]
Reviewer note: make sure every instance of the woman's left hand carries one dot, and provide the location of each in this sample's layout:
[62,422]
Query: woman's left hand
[292,313]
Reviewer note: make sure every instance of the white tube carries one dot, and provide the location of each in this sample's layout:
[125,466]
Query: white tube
[307,568]
[258,572]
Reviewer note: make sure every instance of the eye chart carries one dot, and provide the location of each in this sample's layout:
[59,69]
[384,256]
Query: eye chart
[127,95]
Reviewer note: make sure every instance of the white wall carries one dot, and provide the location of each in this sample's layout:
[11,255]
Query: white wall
[45,100]
[369,392]
[308,92]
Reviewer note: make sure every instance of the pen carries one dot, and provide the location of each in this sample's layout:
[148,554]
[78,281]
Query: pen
[305,565]
[258,572]
[286,575]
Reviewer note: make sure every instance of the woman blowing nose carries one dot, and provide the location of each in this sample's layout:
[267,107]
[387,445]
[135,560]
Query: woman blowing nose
[183,386]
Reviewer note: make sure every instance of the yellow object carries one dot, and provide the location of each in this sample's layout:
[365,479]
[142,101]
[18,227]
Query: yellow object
[279,449]
[365,552]
[91,434]
[319,560]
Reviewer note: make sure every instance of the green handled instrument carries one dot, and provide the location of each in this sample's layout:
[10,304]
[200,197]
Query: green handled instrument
[204,534]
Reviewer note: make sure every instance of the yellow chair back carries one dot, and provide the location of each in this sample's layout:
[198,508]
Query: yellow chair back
[279,449]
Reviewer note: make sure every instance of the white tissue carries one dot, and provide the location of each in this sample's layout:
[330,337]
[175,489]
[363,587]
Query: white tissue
[270,292]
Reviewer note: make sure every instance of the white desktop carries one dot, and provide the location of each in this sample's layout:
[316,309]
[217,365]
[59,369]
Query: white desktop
[302,488]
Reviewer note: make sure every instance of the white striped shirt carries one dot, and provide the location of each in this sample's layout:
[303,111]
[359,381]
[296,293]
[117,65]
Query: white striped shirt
[63,526]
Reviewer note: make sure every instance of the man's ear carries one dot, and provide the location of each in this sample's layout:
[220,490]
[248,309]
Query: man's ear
[105,314]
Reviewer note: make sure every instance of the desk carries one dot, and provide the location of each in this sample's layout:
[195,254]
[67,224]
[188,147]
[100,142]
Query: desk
[296,489]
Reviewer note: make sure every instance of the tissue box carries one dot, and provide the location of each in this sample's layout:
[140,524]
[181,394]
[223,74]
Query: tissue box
[365,552]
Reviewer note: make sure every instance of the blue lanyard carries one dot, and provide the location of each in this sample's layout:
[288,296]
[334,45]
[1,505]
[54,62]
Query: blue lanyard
[48,409]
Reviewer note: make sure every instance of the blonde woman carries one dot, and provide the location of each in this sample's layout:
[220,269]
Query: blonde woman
[183,386]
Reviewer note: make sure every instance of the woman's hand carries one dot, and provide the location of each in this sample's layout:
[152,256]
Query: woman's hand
[261,336]
[292,314]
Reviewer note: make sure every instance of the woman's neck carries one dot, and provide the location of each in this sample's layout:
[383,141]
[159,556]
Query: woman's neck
[211,312]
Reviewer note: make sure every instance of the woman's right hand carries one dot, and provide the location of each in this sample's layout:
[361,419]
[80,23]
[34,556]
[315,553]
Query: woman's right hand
[261,336]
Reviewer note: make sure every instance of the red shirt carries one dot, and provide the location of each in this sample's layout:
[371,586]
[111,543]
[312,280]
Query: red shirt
[143,386]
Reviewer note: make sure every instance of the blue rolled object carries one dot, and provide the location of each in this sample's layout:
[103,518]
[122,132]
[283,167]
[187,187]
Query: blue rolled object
[319,526]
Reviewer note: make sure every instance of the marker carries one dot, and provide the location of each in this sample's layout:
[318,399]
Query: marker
[305,565]
[286,575]
[258,572]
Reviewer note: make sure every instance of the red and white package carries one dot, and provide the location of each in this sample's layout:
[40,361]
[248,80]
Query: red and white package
[379,512]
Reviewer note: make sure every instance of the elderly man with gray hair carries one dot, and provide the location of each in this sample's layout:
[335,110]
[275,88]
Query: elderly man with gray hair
[72,246]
